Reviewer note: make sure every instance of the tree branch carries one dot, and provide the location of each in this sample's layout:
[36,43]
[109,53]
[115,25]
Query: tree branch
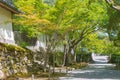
[84,33]
[111,3]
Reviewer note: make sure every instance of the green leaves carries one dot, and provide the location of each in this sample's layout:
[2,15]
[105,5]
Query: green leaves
[97,45]
[32,20]
[63,16]
[72,20]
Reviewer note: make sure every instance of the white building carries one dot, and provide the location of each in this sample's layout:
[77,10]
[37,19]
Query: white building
[7,9]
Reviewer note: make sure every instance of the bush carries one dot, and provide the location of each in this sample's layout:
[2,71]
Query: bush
[79,65]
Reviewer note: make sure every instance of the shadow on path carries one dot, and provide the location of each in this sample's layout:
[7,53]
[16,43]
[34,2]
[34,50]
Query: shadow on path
[94,72]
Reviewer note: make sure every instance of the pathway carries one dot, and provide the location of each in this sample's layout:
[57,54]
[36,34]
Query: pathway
[94,72]
[100,70]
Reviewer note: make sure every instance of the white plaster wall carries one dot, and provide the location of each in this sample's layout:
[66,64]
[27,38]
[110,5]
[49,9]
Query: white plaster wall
[6,31]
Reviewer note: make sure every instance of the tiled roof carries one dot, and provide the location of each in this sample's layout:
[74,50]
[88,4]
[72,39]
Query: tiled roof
[9,5]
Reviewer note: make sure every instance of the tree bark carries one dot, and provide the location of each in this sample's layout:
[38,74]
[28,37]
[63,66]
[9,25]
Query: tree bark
[65,54]
[111,3]
[46,61]
[75,54]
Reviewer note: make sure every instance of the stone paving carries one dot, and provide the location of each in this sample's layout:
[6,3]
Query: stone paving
[94,72]
[35,79]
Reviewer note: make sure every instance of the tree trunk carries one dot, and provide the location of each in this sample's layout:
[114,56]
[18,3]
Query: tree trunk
[67,51]
[54,63]
[75,54]
[46,61]
[65,54]
[75,57]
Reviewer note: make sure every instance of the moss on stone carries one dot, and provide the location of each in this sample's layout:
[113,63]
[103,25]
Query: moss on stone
[12,59]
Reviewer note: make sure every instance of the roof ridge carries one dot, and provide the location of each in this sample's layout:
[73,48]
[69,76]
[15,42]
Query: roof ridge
[10,4]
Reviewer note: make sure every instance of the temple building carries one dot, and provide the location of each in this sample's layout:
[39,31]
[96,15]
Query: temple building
[7,9]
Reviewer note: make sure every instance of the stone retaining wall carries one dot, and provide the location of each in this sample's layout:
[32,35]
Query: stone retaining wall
[13,59]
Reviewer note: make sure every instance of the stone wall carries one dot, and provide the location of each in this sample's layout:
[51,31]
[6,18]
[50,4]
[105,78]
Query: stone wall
[14,59]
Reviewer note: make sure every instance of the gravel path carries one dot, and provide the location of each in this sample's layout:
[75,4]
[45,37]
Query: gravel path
[94,72]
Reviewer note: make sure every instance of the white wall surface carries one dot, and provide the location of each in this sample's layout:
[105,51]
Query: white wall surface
[6,32]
